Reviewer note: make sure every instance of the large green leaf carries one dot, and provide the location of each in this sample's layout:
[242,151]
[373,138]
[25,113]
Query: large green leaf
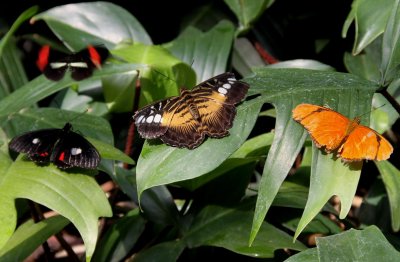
[73,195]
[162,74]
[357,245]
[228,228]
[93,22]
[286,88]
[29,236]
[391,178]
[370,18]
[207,52]
[391,46]
[352,245]
[161,164]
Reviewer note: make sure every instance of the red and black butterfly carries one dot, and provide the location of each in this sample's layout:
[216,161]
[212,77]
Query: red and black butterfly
[185,120]
[54,63]
[63,147]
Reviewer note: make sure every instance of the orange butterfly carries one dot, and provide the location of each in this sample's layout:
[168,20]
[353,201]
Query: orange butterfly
[335,132]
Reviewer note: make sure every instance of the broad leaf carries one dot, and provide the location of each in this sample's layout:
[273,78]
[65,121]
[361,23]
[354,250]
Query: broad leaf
[73,195]
[391,46]
[229,227]
[95,22]
[357,245]
[207,52]
[391,178]
[162,75]
[370,18]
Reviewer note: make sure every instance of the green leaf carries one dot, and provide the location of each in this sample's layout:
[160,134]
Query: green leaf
[108,151]
[286,88]
[370,19]
[73,195]
[156,203]
[41,87]
[329,178]
[162,164]
[247,11]
[229,227]
[309,255]
[366,64]
[29,236]
[119,92]
[391,178]
[12,72]
[162,75]
[357,245]
[93,22]
[207,52]
[391,45]
[120,238]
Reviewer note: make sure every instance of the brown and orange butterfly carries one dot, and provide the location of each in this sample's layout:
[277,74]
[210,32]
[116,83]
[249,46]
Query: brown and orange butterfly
[334,132]
[185,120]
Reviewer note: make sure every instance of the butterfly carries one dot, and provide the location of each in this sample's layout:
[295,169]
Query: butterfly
[185,120]
[63,147]
[336,133]
[54,63]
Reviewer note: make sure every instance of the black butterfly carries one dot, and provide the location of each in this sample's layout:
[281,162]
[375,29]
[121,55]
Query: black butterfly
[54,63]
[63,147]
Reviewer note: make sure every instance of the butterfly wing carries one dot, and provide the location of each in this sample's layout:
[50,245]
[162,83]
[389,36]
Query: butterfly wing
[85,61]
[215,100]
[152,121]
[38,145]
[73,150]
[365,143]
[326,127]
[185,120]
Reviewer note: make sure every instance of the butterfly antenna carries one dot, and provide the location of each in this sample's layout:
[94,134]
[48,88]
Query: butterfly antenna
[372,110]
[173,80]
[79,115]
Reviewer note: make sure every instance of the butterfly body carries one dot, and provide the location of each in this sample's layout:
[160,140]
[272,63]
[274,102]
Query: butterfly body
[54,64]
[334,132]
[185,120]
[63,147]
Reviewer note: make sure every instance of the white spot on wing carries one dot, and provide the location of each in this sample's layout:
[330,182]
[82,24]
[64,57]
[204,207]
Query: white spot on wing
[226,86]
[149,119]
[76,151]
[222,91]
[139,119]
[35,141]
[157,118]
